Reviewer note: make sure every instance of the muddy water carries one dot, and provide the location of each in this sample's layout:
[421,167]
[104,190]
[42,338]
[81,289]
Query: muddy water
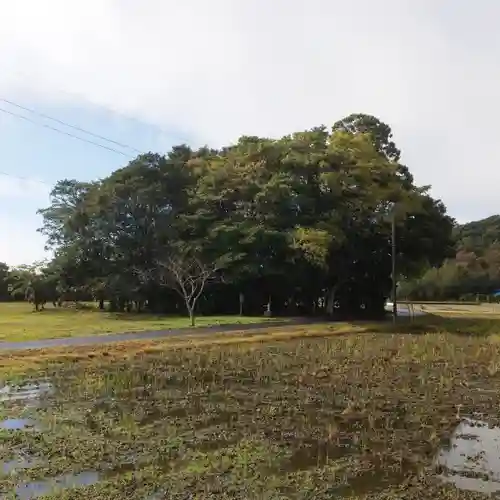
[55,485]
[160,495]
[18,424]
[30,394]
[319,453]
[472,461]
[26,392]
[13,466]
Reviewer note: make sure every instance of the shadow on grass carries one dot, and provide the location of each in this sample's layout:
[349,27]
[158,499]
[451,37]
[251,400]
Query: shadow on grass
[474,327]
[126,316]
[430,323]
[179,319]
[183,319]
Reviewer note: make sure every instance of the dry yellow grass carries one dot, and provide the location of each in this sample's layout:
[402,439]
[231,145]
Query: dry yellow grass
[21,362]
[458,310]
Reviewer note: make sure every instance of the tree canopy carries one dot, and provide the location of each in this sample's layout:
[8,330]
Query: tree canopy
[473,270]
[302,222]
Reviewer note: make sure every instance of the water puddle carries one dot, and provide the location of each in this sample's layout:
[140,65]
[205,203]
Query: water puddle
[18,424]
[319,453]
[29,394]
[12,466]
[159,495]
[24,392]
[472,461]
[370,482]
[55,485]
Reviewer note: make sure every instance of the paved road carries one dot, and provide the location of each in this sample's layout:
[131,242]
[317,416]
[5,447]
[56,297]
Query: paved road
[121,337]
[404,310]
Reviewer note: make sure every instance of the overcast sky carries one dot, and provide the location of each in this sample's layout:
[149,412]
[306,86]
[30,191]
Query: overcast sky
[158,72]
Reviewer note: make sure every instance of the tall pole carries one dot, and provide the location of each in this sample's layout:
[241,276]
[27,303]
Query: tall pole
[393,258]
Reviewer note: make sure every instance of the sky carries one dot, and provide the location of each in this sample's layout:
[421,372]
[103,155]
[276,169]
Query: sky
[156,73]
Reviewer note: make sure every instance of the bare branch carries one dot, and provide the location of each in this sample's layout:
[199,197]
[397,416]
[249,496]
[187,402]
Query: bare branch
[186,273]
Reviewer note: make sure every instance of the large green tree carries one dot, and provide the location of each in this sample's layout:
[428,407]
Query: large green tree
[301,224]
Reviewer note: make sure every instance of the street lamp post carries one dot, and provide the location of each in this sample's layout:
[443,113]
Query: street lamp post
[393,262]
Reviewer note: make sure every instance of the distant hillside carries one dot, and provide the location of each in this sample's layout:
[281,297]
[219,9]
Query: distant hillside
[478,236]
[474,272]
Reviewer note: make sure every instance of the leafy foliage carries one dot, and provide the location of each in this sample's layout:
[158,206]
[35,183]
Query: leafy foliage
[303,222]
[473,270]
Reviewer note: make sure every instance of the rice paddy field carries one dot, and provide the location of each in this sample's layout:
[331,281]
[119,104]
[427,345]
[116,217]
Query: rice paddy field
[366,411]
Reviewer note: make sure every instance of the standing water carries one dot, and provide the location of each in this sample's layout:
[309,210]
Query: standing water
[472,461]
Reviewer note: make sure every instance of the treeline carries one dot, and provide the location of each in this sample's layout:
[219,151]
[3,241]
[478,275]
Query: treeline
[5,286]
[298,225]
[474,272]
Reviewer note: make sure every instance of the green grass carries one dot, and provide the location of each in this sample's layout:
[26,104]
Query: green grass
[326,411]
[18,322]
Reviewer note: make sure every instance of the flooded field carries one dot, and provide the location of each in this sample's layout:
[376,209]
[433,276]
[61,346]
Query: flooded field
[362,416]
[472,460]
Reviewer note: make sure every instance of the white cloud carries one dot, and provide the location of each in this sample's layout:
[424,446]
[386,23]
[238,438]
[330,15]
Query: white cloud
[222,68]
[22,244]
[23,188]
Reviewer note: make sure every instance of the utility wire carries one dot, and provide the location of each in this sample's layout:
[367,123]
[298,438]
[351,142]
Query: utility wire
[74,127]
[22,75]
[65,133]
[27,179]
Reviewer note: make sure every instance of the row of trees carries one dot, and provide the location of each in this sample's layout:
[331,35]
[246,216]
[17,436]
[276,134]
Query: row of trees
[14,282]
[36,283]
[474,272]
[301,224]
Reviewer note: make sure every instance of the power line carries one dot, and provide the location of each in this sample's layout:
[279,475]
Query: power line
[23,75]
[65,133]
[74,127]
[27,179]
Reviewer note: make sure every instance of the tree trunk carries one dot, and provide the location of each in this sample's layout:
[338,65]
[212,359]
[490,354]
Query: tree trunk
[242,300]
[268,311]
[121,304]
[330,301]
[191,307]
[101,304]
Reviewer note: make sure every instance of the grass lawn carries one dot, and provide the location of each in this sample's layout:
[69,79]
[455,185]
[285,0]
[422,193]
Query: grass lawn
[317,412]
[18,322]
